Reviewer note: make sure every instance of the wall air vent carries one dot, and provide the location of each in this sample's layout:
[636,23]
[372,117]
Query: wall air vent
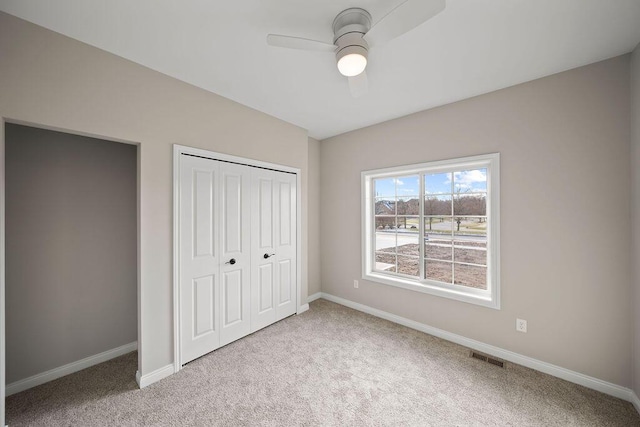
[486,358]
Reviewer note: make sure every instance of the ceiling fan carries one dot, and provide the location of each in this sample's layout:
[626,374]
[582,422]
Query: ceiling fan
[353,36]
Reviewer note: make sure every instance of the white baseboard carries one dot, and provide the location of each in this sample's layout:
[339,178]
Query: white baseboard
[69,368]
[302,308]
[312,298]
[635,401]
[155,376]
[556,371]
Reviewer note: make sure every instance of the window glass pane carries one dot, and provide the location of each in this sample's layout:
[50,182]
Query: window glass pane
[437,205]
[470,275]
[470,227]
[409,265]
[385,262]
[470,180]
[438,248]
[385,187]
[386,240]
[385,223]
[470,204]
[438,226]
[408,224]
[473,252]
[408,206]
[437,183]
[408,186]
[408,243]
[385,206]
[438,270]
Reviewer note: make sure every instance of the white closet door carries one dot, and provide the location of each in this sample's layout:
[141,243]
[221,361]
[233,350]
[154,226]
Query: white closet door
[263,248]
[286,253]
[273,235]
[235,253]
[199,257]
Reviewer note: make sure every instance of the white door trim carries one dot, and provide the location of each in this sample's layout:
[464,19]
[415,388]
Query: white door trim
[178,150]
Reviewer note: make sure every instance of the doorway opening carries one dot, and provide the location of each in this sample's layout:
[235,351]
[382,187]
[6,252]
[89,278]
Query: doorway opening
[71,254]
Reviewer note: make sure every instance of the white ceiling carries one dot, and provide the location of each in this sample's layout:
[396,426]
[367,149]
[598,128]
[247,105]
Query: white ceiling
[473,47]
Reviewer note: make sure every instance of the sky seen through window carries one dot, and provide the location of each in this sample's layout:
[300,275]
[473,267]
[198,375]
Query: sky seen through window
[468,181]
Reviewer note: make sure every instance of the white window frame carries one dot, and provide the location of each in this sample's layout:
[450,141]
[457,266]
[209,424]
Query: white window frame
[487,298]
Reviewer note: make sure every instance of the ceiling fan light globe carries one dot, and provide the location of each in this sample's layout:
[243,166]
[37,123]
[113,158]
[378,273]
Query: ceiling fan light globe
[352,59]
[352,64]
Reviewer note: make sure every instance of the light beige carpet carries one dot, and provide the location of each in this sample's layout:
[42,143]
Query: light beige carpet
[329,366]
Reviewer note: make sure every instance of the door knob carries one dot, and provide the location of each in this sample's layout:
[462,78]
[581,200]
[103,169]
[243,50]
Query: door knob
[267,256]
[231,261]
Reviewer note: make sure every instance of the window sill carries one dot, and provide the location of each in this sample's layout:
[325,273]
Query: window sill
[424,287]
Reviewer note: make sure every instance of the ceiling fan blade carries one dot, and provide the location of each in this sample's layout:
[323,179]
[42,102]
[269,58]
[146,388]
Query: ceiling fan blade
[402,19]
[299,43]
[359,85]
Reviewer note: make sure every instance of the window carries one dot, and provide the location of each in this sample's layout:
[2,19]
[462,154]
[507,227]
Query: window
[434,228]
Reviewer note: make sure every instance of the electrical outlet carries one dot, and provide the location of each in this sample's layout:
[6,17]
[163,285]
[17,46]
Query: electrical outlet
[521,325]
[355,284]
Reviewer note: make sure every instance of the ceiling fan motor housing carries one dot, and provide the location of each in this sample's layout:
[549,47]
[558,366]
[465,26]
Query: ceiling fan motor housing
[349,27]
[351,20]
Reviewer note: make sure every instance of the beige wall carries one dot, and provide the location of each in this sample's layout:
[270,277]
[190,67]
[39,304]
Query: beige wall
[635,208]
[564,142]
[565,229]
[51,80]
[314,216]
[71,248]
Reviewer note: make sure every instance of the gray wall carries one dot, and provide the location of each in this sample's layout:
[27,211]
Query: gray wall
[52,80]
[565,224]
[71,246]
[314,216]
[635,209]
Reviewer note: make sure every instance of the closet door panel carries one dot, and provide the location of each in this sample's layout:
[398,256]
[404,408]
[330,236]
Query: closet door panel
[285,270]
[263,234]
[203,305]
[199,278]
[273,283]
[235,251]
[285,248]
[266,295]
[232,296]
